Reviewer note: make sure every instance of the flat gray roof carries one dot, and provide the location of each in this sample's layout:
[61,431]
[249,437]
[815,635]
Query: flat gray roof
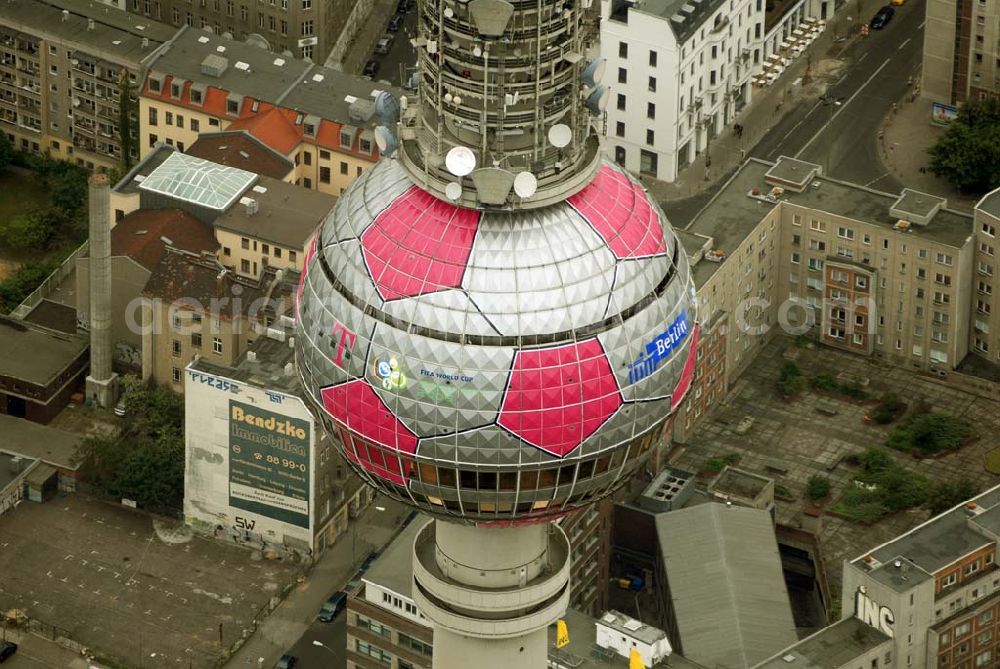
[279,80]
[287,214]
[690,242]
[940,541]
[736,481]
[34,355]
[991,203]
[262,80]
[792,171]
[907,575]
[266,371]
[726,584]
[40,442]
[731,215]
[393,569]
[117,35]
[832,647]
[684,16]
[917,203]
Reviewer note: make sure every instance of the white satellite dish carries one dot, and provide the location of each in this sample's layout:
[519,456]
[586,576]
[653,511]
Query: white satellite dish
[457,100]
[525,184]
[560,135]
[477,52]
[460,160]
[453,191]
[447,97]
[448,12]
[432,46]
[385,140]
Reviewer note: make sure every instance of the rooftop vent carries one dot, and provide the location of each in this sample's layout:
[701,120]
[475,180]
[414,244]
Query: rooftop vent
[214,65]
[901,225]
[276,333]
[251,356]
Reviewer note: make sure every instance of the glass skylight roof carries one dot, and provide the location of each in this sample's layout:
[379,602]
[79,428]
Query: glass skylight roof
[198,181]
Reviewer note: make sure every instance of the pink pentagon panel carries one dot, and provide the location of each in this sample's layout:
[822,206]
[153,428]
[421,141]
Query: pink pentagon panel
[418,244]
[687,374]
[620,212]
[373,432]
[310,252]
[559,396]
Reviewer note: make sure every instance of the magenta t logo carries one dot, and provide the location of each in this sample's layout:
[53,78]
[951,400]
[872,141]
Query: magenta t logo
[346,342]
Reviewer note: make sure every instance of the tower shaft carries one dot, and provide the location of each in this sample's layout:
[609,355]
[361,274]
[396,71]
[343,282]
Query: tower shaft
[102,383]
[491,592]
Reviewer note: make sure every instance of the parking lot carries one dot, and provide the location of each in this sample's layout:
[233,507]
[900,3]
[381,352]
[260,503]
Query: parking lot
[101,573]
[813,434]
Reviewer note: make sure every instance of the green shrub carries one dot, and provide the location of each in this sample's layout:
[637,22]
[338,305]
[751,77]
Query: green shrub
[715,465]
[930,433]
[944,495]
[827,383]
[824,381]
[818,487]
[893,488]
[790,382]
[888,409]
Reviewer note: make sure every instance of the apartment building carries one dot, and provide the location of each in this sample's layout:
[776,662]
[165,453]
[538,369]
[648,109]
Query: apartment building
[934,591]
[679,73]
[318,118]
[985,316]
[62,64]
[878,274]
[300,509]
[961,58]
[589,533]
[302,28]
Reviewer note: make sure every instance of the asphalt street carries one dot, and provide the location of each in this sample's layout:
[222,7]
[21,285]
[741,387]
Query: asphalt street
[842,137]
[333,652]
[402,55]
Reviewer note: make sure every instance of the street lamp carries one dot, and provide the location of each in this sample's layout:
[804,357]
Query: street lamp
[320,644]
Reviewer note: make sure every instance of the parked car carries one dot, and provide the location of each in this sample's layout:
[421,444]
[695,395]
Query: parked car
[384,45]
[286,662]
[333,606]
[371,68]
[7,648]
[882,18]
[395,23]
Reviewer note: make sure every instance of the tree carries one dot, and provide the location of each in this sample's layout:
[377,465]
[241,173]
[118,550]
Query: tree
[929,433]
[6,151]
[968,154]
[28,276]
[818,487]
[30,231]
[944,495]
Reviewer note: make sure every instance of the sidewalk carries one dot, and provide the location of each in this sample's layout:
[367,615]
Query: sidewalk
[726,150]
[35,652]
[909,133]
[283,627]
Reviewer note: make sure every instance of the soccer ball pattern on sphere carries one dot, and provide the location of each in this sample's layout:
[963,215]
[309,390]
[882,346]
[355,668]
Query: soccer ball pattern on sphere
[495,366]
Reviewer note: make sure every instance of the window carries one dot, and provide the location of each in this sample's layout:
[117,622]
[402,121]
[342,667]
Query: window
[416,645]
[307,27]
[195,125]
[291,256]
[621,102]
[944,279]
[244,243]
[216,345]
[652,84]
[839,276]
[962,629]
[796,258]
[972,568]
[277,251]
[650,110]
[819,226]
[324,175]
[652,59]
[986,248]
[619,129]
[168,118]
[622,75]
[265,249]
[985,268]
[845,233]
[815,264]
[943,258]
[152,116]
[343,167]
[307,4]
[175,374]
[232,107]
[649,137]
[196,340]
[245,266]
[796,219]
[374,627]
[622,50]
[364,648]
[989,230]
[815,245]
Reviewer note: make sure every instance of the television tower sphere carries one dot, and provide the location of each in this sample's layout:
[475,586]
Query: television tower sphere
[495,366]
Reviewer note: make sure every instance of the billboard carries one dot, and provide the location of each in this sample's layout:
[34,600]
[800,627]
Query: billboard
[943,114]
[269,463]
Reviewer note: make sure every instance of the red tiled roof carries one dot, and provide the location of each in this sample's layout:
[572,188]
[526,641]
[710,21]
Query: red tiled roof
[273,128]
[139,234]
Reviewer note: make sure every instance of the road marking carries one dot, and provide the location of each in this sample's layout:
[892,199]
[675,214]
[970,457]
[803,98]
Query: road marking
[904,43]
[842,108]
[865,55]
[868,185]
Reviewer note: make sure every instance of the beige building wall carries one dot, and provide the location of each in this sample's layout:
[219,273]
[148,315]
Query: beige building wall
[247,256]
[174,125]
[961,50]
[326,170]
[984,322]
[128,280]
[939,51]
[922,289]
[170,345]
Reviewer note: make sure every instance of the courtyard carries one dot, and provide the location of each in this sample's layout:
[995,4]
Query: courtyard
[817,433]
[103,574]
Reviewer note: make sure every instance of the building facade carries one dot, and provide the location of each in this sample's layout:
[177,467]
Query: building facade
[63,71]
[788,250]
[318,118]
[259,470]
[303,28]
[961,51]
[679,73]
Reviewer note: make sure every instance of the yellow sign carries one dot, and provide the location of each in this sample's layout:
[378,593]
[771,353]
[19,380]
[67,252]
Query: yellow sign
[635,660]
[562,634]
